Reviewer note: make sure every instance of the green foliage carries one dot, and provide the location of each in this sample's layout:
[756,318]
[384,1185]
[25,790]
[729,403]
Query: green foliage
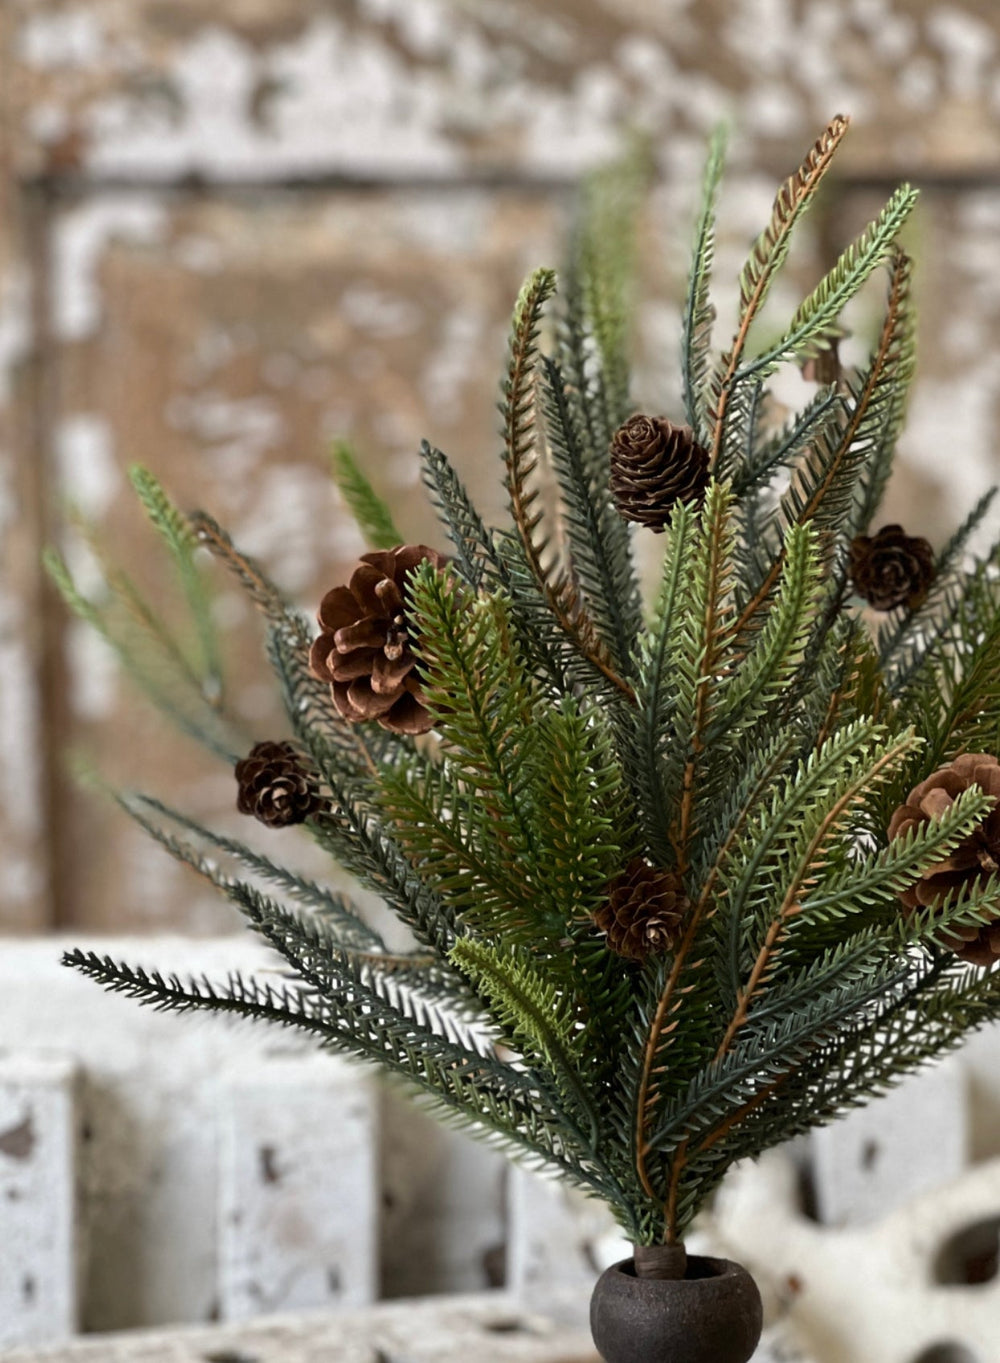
[369,510]
[149,654]
[699,313]
[176,532]
[750,739]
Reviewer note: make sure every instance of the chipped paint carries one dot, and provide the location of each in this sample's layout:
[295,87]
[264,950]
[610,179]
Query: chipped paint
[18,1141]
[70,37]
[237,432]
[291,522]
[968,46]
[88,474]
[15,325]
[80,238]
[92,669]
[335,96]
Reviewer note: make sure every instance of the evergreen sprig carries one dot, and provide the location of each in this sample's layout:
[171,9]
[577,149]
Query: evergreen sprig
[744,744]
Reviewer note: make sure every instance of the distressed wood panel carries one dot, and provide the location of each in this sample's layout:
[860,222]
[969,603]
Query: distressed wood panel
[38,1175]
[224,344]
[24,890]
[439,88]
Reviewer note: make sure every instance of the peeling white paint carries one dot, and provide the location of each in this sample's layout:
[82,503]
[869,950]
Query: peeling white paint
[47,122]
[15,323]
[455,363]
[575,132]
[917,83]
[956,413]
[23,884]
[238,432]
[88,474]
[450,225]
[379,313]
[773,110]
[93,673]
[425,25]
[80,238]
[341,98]
[200,253]
[290,521]
[967,45]
[894,38]
[20,730]
[70,37]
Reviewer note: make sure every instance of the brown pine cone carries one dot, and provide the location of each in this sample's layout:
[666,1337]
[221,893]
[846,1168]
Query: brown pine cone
[654,465]
[892,569]
[643,911]
[971,863]
[363,649]
[275,785]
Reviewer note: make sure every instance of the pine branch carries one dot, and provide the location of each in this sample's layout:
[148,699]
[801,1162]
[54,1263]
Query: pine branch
[655,693]
[600,272]
[600,551]
[373,516]
[337,915]
[175,530]
[535,1017]
[140,612]
[200,721]
[699,313]
[760,680]
[783,864]
[891,370]
[766,258]
[517,411]
[908,636]
[816,317]
[518,1119]
[842,451]
[474,547]
[699,638]
[788,446]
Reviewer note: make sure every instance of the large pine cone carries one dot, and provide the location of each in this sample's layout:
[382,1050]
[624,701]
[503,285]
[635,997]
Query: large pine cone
[643,911]
[971,863]
[654,465]
[364,648]
[892,569]
[275,786]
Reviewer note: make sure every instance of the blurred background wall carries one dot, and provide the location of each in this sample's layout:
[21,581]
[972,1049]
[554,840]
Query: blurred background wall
[234,229]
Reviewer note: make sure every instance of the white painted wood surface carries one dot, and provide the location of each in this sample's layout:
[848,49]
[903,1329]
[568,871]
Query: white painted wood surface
[298,1223]
[483,1328]
[38,1259]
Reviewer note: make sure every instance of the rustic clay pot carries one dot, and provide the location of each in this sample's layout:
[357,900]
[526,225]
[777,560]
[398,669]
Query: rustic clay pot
[711,1315]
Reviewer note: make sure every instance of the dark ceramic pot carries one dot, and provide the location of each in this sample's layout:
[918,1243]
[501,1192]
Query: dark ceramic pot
[711,1315]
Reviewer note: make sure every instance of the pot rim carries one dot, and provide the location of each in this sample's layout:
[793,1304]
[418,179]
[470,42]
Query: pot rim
[718,1270]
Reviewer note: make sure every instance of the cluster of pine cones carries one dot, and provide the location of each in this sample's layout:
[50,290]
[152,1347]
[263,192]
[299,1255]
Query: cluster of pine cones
[364,651]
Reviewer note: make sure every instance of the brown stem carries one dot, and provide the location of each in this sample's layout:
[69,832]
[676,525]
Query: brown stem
[662,1262]
[793,193]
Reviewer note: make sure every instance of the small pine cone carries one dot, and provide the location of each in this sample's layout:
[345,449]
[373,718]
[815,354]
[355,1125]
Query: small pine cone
[654,465]
[971,863]
[892,569]
[642,912]
[363,649]
[275,786]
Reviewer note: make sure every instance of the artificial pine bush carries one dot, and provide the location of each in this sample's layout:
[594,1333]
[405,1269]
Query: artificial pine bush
[663,915]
